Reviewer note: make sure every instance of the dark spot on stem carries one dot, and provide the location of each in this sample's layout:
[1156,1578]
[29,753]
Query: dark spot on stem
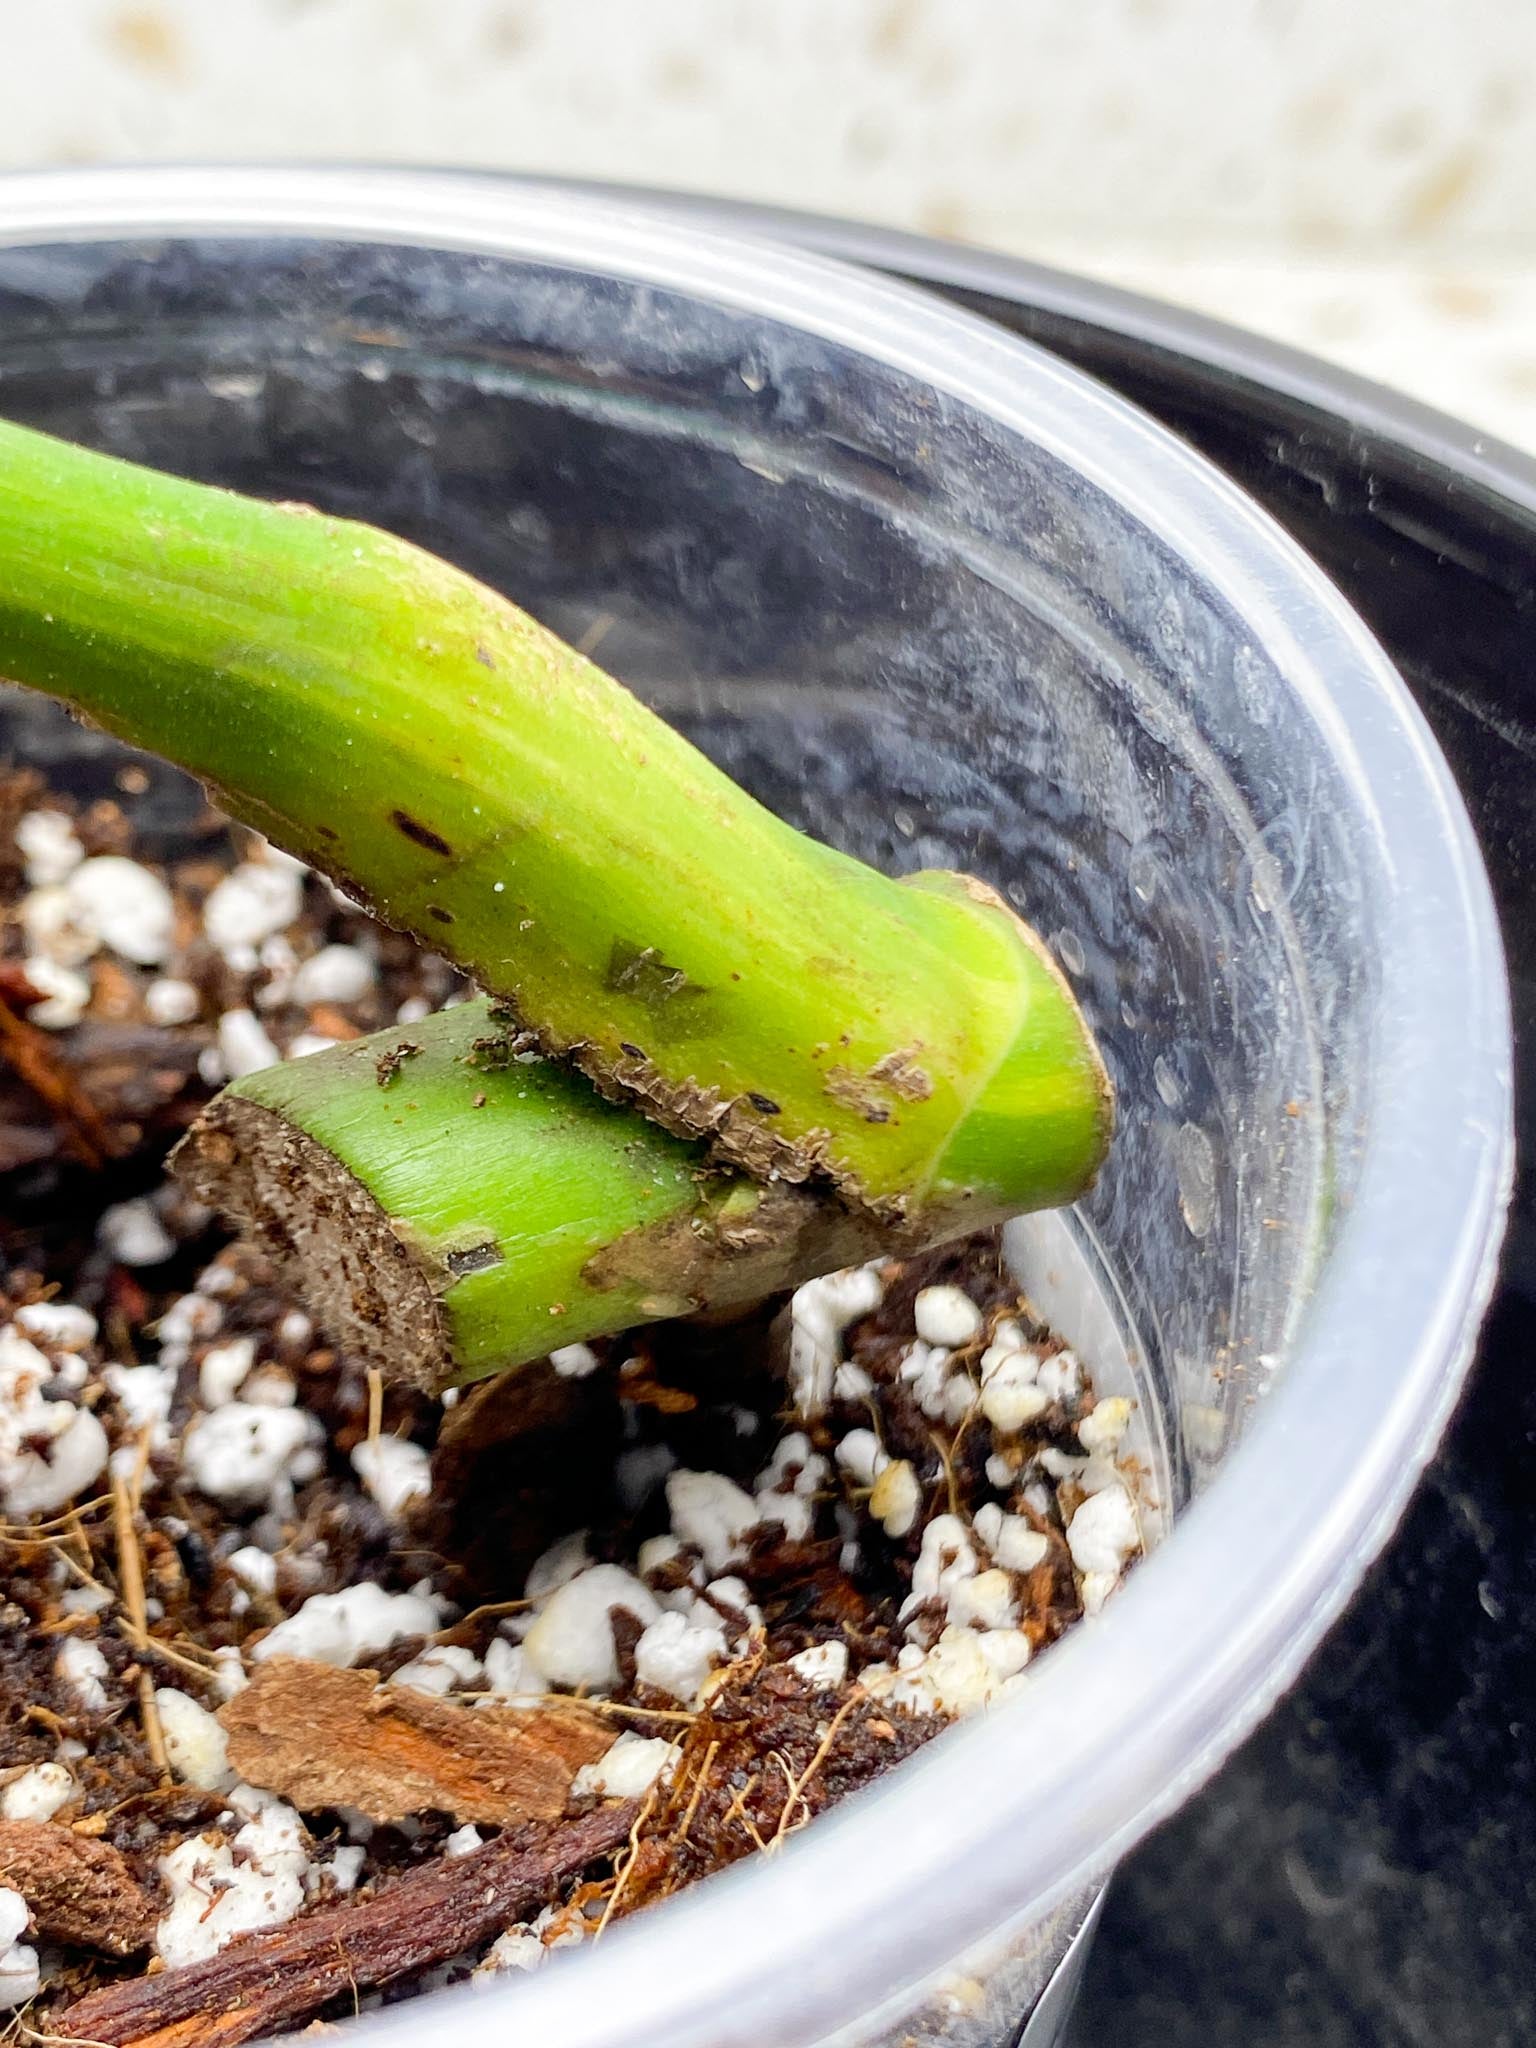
[443,916]
[763,1104]
[640,971]
[327,832]
[475,1258]
[499,1049]
[423,835]
[392,1059]
[633,1050]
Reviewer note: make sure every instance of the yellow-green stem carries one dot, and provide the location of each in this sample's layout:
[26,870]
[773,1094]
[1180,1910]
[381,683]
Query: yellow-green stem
[410,732]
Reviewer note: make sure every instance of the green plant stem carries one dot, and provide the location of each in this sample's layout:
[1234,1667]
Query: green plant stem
[450,1208]
[475,781]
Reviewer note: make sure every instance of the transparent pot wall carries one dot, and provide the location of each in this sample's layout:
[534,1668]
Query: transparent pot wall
[919,647]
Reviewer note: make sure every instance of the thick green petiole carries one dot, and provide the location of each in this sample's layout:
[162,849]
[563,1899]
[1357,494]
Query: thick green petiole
[450,1208]
[414,735]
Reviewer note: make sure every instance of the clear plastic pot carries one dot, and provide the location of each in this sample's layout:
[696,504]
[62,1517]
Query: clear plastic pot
[943,601]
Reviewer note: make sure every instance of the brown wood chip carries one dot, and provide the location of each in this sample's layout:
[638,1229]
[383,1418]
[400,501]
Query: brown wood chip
[265,1982]
[323,1737]
[79,1890]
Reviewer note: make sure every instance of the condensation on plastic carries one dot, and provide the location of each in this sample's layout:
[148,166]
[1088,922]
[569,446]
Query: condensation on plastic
[943,601]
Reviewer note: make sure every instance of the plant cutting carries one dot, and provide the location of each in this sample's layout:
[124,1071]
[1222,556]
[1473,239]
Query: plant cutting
[450,1207]
[906,1047]
[642,1629]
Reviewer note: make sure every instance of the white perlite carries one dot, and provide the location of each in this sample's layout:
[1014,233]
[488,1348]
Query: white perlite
[229,1672]
[169,1002]
[861,1455]
[571,1641]
[37,1794]
[59,1323]
[713,1513]
[509,1673]
[50,1450]
[46,842]
[1011,1397]
[628,1770]
[925,1368]
[1014,1542]
[310,1042]
[395,1471]
[1106,1425]
[119,904]
[441,1669]
[84,1670]
[195,1744]
[678,1652]
[574,1361]
[819,1312]
[224,1369]
[246,1452]
[256,1569]
[66,993]
[189,1317]
[1104,1531]
[252,902]
[1061,1378]
[336,974]
[359,1621]
[954,1677]
[144,1393]
[19,1972]
[220,1888]
[946,1316]
[824,1666]
[133,1234]
[986,1601]
[244,1047]
[518,1949]
[896,1497]
[85,1599]
[946,1558]
[794,1468]
[564,1558]
[48,921]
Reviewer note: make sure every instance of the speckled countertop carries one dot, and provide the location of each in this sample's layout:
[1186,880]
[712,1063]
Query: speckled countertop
[1351,175]
[1458,336]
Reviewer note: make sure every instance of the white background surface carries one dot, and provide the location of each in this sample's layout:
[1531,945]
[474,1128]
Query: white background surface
[1358,176]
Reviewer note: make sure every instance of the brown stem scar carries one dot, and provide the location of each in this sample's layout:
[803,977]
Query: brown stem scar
[423,835]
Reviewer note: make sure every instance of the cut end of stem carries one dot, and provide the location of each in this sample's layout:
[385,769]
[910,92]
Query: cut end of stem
[315,1220]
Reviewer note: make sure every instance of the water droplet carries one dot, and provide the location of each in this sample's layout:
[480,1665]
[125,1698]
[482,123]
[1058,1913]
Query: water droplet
[1167,1083]
[1194,1165]
[1254,685]
[1069,951]
[1143,871]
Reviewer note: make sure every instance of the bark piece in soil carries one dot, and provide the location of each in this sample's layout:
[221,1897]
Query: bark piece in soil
[79,1890]
[322,1737]
[265,1982]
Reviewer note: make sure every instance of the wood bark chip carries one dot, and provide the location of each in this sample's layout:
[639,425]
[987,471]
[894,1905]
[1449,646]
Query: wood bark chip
[265,1982]
[321,1737]
[29,1051]
[79,1890]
